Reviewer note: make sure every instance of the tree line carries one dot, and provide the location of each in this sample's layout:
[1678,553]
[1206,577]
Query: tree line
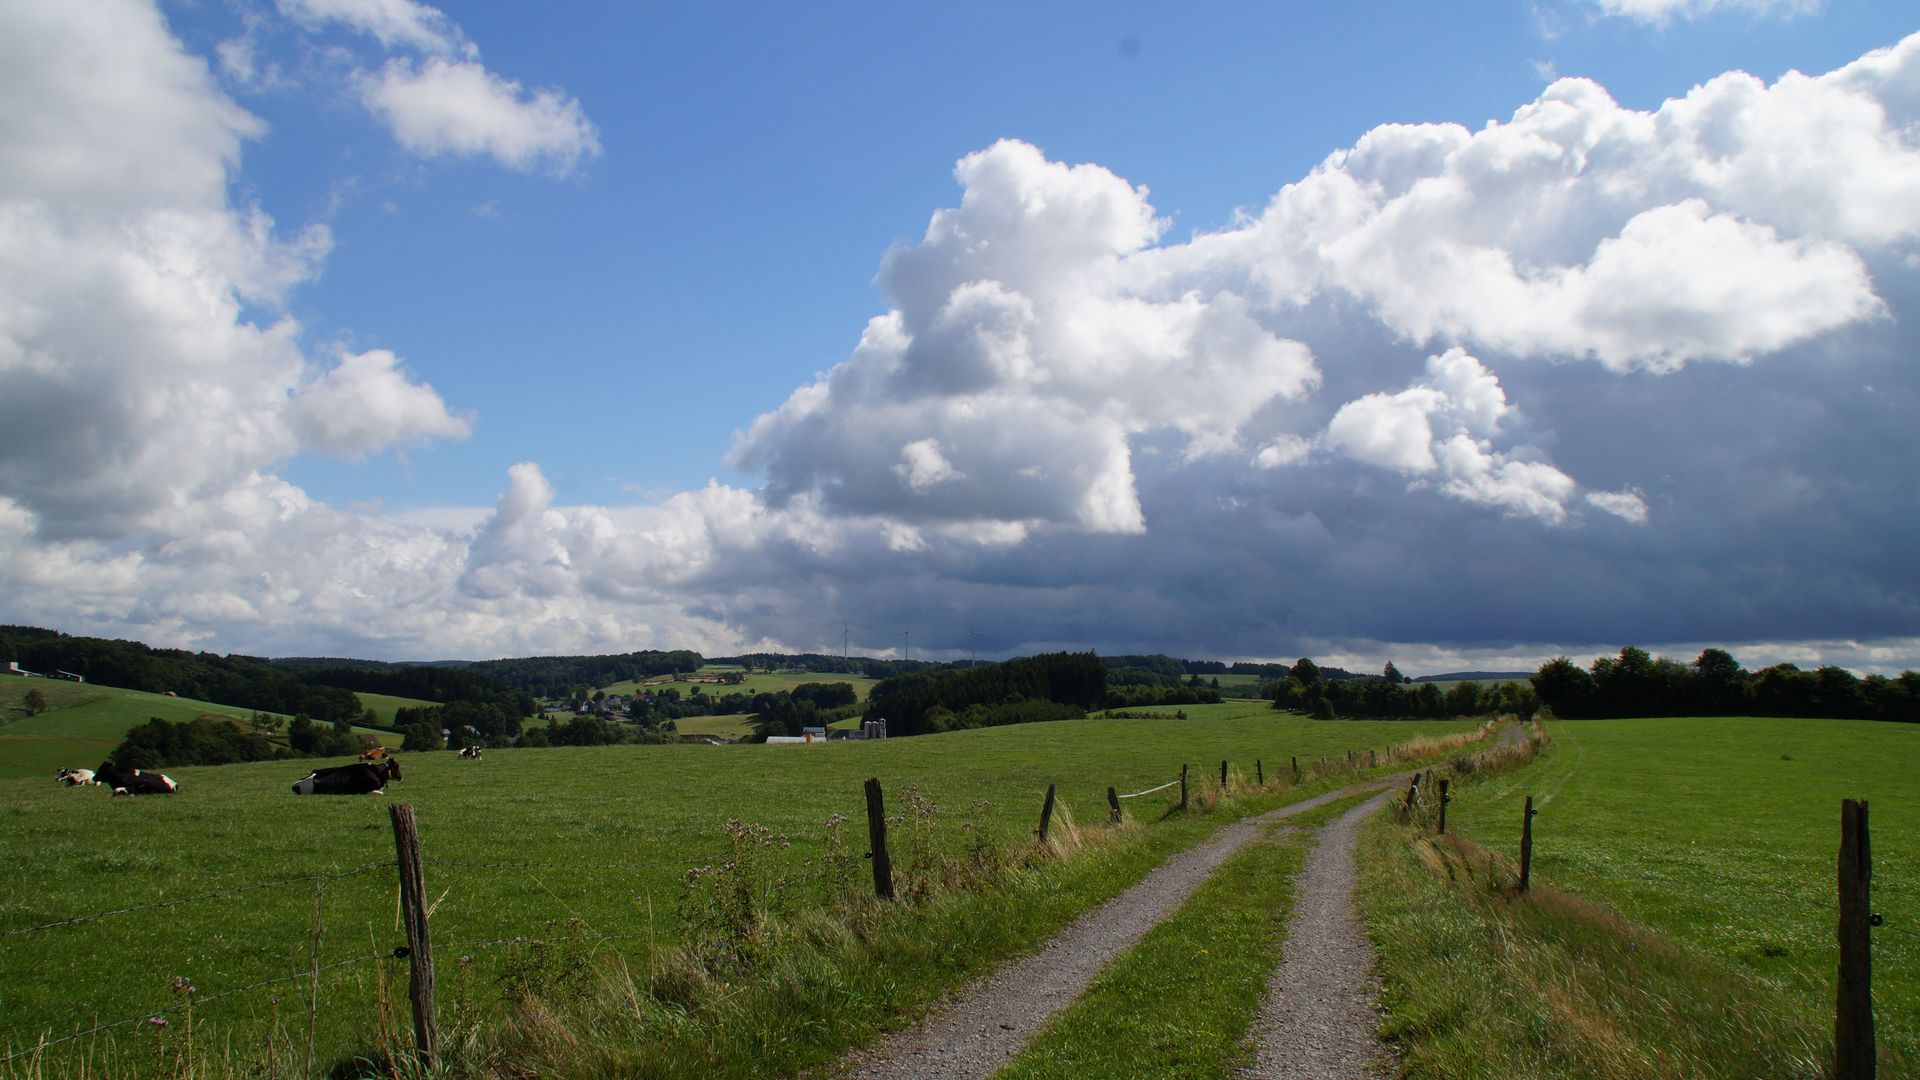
[1635,683]
[1051,686]
[1307,688]
[249,682]
[220,740]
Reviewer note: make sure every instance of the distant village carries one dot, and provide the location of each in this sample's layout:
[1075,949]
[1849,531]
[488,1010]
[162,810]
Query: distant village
[620,706]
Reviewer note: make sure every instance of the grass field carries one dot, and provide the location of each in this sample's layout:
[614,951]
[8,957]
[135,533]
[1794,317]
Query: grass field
[731,726]
[759,682]
[565,843]
[1719,836]
[384,705]
[84,722]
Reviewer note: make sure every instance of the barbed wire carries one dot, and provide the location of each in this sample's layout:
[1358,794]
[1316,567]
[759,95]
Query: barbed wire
[192,1000]
[216,894]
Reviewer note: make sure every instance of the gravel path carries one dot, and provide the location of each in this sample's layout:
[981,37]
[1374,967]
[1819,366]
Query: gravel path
[1320,1015]
[988,1023]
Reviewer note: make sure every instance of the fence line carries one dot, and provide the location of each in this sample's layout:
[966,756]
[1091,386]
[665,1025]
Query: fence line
[1151,790]
[192,1000]
[216,894]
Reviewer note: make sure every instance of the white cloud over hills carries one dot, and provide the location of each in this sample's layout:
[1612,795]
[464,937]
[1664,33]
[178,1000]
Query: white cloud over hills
[1591,374]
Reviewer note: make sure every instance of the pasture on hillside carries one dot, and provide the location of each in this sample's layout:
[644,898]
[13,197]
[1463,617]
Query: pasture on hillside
[385,705]
[563,843]
[85,721]
[758,682]
[1723,834]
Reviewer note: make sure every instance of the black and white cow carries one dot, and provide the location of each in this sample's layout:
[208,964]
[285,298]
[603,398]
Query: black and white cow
[471,753]
[133,781]
[75,777]
[359,778]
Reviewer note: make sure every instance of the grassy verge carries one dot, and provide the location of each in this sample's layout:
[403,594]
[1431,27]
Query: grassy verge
[1483,982]
[1179,1003]
[1675,927]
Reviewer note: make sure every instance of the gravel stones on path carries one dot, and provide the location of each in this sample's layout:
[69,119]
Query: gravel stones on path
[987,1024]
[1321,1012]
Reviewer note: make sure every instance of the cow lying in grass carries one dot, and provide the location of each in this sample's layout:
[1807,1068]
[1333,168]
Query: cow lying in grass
[359,778]
[75,777]
[373,754]
[471,753]
[133,781]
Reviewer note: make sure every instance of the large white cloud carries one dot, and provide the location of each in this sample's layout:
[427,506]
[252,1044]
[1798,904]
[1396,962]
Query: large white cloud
[1727,224]
[145,359]
[1018,355]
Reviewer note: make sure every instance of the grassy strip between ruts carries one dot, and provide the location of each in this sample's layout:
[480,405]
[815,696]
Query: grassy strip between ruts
[1179,1003]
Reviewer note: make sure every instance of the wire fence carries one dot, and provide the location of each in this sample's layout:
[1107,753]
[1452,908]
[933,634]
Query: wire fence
[1175,782]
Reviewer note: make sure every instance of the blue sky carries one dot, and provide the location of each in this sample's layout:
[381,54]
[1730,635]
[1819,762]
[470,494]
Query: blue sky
[489,331]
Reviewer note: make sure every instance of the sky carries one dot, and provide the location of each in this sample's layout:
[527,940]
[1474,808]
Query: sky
[1462,336]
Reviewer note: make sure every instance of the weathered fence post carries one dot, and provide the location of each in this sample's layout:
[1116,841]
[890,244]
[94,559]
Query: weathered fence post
[1444,800]
[1046,814]
[1183,786]
[1113,807]
[1259,774]
[1223,774]
[877,834]
[1853,1049]
[1296,770]
[413,908]
[1413,795]
[1526,846]
[1372,759]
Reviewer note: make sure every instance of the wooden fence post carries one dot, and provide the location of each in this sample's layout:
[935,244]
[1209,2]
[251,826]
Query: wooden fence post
[1223,774]
[1853,1042]
[877,835]
[1444,800]
[1372,759]
[1259,774]
[1046,814]
[1296,770]
[1113,807]
[1183,786]
[413,908]
[1526,846]
[1413,795]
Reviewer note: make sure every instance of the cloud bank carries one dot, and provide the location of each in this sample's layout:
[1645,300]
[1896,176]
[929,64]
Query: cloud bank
[1585,376]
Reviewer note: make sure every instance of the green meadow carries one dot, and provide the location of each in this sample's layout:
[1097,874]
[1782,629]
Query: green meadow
[1707,844]
[758,682]
[385,705]
[587,845]
[83,722]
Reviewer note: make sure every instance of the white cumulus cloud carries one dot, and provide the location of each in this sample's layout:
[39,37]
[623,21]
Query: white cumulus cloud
[458,107]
